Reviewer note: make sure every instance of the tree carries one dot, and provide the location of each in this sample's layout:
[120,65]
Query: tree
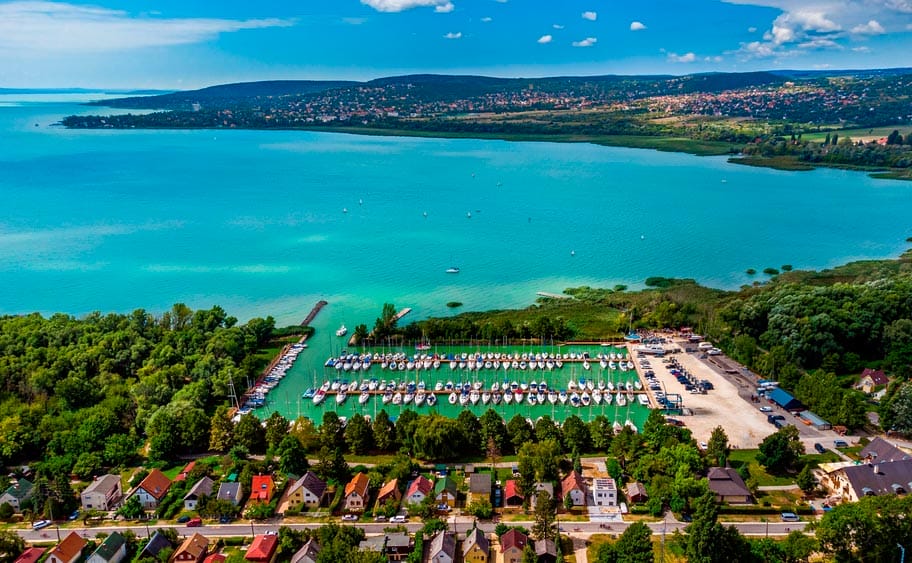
[546,429]
[568,502]
[384,432]
[120,450]
[249,433]
[528,554]
[11,545]
[779,451]
[798,547]
[600,433]
[543,528]
[292,458]
[470,430]
[406,425]
[332,431]
[805,480]
[276,429]
[359,435]
[576,434]
[480,508]
[635,544]
[519,432]
[331,465]
[6,511]
[717,448]
[131,509]
[492,428]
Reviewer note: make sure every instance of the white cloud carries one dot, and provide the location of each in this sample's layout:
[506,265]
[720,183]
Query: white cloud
[685,58]
[452,35]
[444,8]
[862,49]
[591,16]
[401,5]
[557,26]
[870,28]
[716,59]
[637,26]
[487,19]
[752,29]
[587,42]
[41,26]
[545,39]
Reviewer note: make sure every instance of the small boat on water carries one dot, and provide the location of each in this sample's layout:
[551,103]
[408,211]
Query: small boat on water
[616,426]
[453,398]
[452,270]
[340,398]
[308,394]
[486,397]
[497,397]
[597,397]
[419,398]
[431,399]
[552,397]
[508,397]
[407,398]
[562,397]
[387,397]
[365,396]
[397,398]
[342,331]
[585,399]
[319,396]
[574,400]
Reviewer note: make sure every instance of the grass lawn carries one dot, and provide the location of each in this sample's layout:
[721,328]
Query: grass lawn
[858,133]
[370,459]
[737,458]
[172,472]
[780,498]
[815,459]
[670,553]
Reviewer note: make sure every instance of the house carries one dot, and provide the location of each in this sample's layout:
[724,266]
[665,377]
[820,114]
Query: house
[308,491]
[476,548]
[512,544]
[871,379]
[545,551]
[728,486]
[202,488]
[880,450]
[604,492]
[480,485]
[193,549]
[445,492]
[152,489]
[263,548]
[574,485]
[308,552]
[67,551]
[154,546]
[103,494]
[262,488]
[636,492]
[870,479]
[389,492]
[541,487]
[442,548]
[215,558]
[182,476]
[418,490]
[232,492]
[512,496]
[30,555]
[18,491]
[112,550]
[784,399]
[356,493]
[396,547]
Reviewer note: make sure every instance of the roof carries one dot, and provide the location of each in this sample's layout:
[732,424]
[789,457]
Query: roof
[399,541]
[511,489]
[109,547]
[636,489]
[444,542]
[545,547]
[103,485]
[513,538]
[813,418]
[202,488]
[69,548]
[214,558]
[725,482]
[30,555]
[573,481]
[196,545]
[783,398]
[878,377]
[262,487]
[604,484]
[445,484]
[358,485]
[421,484]
[20,489]
[229,491]
[476,537]
[157,543]
[185,471]
[389,488]
[309,550]
[880,450]
[480,483]
[156,484]
[262,548]
[889,477]
[312,483]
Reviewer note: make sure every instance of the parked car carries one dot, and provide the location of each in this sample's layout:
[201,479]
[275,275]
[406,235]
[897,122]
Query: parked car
[379,518]
[398,520]
[789,517]
[820,449]
[350,518]
[183,519]
[41,524]
[195,523]
[840,443]
[766,409]
[225,520]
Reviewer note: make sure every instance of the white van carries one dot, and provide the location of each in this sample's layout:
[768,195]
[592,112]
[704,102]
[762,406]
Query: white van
[705,345]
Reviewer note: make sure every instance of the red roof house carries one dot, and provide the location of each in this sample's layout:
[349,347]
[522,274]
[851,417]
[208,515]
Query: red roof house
[30,555]
[263,548]
[512,496]
[512,544]
[185,471]
[262,488]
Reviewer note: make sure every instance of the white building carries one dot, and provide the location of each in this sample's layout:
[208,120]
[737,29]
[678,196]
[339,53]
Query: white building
[604,492]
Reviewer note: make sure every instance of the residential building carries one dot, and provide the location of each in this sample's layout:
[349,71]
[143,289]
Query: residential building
[636,492]
[728,486]
[870,479]
[215,558]
[545,551]
[263,549]
[356,492]
[512,496]
[512,544]
[103,493]
[396,547]
[389,492]
[185,472]
[308,491]
[880,450]
[202,488]
[154,546]
[67,551]
[480,485]
[418,490]
[30,555]
[308,552]
[604,492]
[262,488]
[476,548]
[112,550]
[445,492]
[541,487]
[193,550]
[575,486]
[152,489]
[871,379]
[442,548]
[231,492]
[18,491]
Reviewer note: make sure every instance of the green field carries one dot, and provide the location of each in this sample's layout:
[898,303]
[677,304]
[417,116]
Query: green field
[857,132]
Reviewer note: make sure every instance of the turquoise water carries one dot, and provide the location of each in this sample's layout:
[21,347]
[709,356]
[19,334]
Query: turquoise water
[253,221]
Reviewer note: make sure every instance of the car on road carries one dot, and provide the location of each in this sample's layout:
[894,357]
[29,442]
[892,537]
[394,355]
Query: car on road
[350,518]
[820,449]
[703,445]
[398,520]
[379,518]
[225,520]
[195,523]
[766,409]
[73,516]
[183,519]
[789,517]
[41,524]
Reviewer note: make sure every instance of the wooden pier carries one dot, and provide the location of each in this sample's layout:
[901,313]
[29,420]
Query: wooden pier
[313,312]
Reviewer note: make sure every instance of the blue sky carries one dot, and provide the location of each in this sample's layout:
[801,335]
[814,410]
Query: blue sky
[193,43]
